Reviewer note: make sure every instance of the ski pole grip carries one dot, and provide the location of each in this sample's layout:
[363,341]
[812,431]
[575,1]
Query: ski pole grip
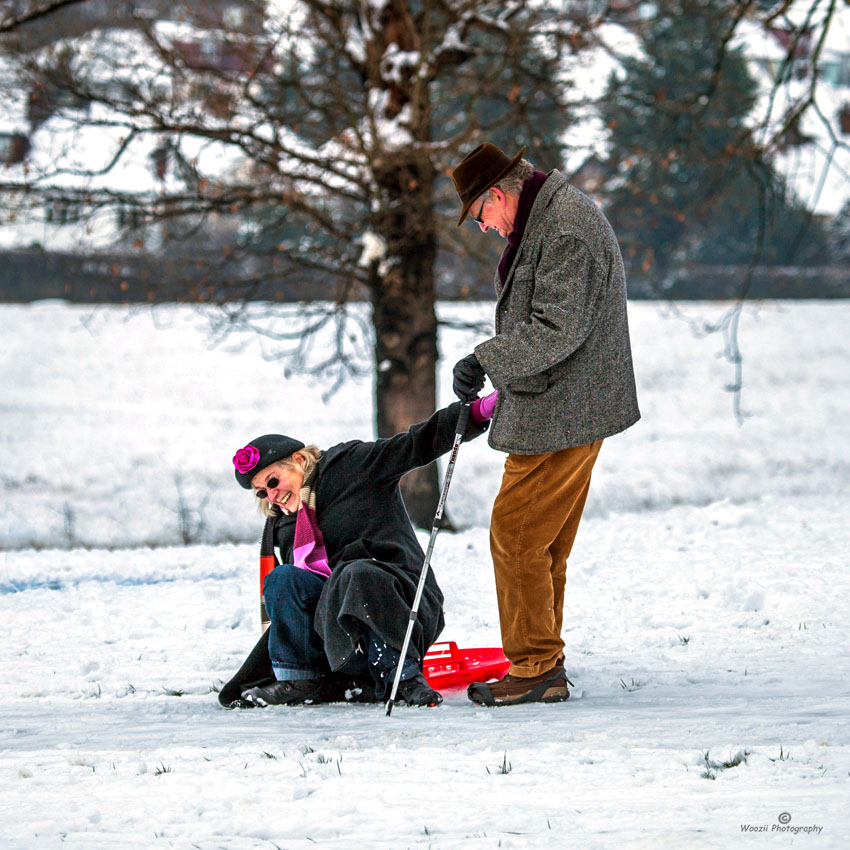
[463,418]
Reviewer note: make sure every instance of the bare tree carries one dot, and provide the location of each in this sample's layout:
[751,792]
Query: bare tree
[792,99]
[696,123]
[309,144]
[341,121]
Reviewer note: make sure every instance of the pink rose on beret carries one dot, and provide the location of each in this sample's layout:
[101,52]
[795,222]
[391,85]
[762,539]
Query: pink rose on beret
[246,459]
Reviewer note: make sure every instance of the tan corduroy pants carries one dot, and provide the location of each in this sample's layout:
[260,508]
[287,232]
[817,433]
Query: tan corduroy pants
[534,523]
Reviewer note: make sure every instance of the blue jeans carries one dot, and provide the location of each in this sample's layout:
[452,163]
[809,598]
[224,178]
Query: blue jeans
[297,651]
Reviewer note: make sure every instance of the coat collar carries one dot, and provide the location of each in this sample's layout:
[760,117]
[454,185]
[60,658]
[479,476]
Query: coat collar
[554,183]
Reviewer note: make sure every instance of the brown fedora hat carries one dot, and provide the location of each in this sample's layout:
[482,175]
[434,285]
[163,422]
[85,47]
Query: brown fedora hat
[480,169]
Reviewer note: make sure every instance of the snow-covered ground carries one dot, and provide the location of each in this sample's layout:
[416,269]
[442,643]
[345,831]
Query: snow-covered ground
[706,619]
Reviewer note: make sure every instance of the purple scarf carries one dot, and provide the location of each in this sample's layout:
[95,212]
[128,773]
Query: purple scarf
[526,201]
[308,548]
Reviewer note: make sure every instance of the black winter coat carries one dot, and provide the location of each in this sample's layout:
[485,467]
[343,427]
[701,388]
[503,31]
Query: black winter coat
[372,549]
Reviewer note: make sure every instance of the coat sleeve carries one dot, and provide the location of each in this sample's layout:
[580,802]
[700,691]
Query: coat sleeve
[389,458]
[565,303]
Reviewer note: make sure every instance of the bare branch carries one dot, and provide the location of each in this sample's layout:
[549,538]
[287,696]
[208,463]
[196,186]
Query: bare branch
[11,22]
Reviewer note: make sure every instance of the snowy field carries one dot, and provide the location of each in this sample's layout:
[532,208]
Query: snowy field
[706,619]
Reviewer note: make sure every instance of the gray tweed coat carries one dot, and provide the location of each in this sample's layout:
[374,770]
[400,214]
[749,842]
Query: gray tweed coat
[561,357]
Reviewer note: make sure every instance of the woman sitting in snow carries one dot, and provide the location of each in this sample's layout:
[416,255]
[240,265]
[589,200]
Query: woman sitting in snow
[339,600]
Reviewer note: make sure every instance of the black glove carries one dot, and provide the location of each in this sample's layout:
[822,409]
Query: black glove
[468,378]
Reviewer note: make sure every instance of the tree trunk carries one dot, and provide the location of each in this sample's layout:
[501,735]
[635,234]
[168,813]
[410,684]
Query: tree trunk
[404,317]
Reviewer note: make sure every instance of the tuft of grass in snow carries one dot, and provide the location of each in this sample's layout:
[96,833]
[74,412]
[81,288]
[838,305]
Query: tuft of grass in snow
[712,768]
[176,692]
[783,756]
[504,768]
[321,758]
[635,685]
[684,640]
[161,769]
[739,758]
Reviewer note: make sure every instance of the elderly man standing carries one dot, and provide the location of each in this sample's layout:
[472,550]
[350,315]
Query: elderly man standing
[561,364]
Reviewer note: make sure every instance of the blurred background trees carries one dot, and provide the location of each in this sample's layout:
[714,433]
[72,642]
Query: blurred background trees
[689,180]
[247,153]
[251,144]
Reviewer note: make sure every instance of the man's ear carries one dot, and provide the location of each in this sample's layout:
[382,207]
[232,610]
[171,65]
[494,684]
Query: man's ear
[498,194]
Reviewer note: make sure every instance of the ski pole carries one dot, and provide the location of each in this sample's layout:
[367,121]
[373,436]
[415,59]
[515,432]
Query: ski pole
[462,419]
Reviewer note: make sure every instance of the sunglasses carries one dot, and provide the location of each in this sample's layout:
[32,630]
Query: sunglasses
[477,218]
[263,493]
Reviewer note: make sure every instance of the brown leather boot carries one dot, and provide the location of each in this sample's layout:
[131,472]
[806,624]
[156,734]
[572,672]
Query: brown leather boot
[550,686]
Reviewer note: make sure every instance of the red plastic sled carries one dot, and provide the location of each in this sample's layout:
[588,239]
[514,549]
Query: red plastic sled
[446,667]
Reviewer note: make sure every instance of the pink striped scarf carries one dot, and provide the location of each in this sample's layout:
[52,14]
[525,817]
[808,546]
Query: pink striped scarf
[309,546]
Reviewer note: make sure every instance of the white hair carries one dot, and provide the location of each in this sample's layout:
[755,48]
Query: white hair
[511,183]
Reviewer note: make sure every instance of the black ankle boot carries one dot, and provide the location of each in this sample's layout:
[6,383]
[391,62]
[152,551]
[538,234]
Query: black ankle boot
[417,691]
[287,692]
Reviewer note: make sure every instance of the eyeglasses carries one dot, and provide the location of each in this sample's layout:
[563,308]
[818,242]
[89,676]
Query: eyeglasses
[477,218]
[263,493]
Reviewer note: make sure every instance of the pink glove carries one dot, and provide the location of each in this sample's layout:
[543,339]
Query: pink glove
[482,408]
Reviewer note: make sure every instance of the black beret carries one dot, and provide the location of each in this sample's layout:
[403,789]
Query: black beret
[259,453]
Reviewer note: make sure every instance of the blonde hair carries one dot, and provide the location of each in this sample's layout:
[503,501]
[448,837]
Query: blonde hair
[311,455]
